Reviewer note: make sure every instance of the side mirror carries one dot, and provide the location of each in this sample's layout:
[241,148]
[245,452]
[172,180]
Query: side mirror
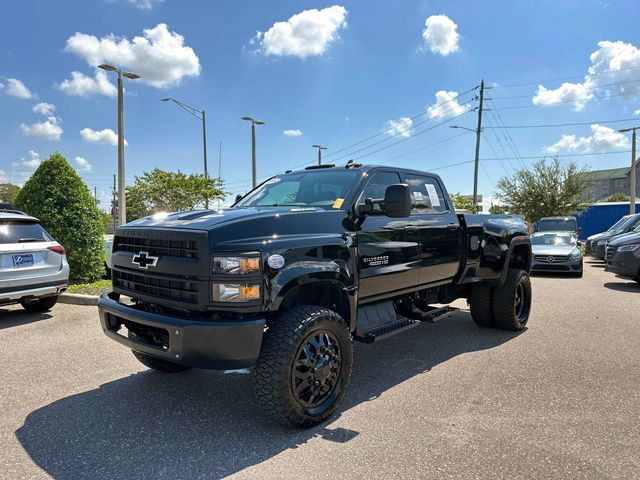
[397,200]
[238,198]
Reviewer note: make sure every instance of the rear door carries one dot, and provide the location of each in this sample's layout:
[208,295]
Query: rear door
[438,228]
[24,251]
[388,253]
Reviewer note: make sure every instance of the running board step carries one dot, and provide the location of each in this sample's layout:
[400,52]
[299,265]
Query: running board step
[387,330]
[431,316]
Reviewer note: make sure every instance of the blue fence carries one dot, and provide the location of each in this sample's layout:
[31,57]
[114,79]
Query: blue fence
[600,216]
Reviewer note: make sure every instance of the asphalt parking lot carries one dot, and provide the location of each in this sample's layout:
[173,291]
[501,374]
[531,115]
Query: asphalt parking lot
[450,400]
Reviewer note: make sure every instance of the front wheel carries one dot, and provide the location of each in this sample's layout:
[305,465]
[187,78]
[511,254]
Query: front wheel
[512,301]
[304,366]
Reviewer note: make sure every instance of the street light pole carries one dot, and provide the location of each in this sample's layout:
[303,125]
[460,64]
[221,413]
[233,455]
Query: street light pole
[254,122]
[200,115]
[122,201]
[633,174]
[320,148]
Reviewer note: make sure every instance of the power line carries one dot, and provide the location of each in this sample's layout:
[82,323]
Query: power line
[565,78]
[410,119]
[605,97]
[426,147]
[591,87]
[550,125]
[559,156]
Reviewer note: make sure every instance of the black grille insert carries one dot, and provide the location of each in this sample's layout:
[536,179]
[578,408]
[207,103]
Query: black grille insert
[164,287]
[158,247]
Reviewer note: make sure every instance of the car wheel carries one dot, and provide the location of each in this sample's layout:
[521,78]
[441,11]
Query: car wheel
[41,305]
[512,301]
[480,304]
[304,366]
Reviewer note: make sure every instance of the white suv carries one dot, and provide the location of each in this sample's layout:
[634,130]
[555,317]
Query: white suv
[33,266]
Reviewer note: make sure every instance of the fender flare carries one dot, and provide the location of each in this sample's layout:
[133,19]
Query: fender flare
[515,242]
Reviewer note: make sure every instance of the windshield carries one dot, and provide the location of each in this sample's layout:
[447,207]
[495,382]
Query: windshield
[618,224]
[558,225]
[629,222]
[315,188]
[553,239]
[16,231]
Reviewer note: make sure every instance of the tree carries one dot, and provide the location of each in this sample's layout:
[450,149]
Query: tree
[546,189]
[60,199]
[460,202]
[162,191]
[497,209]
[618,197]
[8,193]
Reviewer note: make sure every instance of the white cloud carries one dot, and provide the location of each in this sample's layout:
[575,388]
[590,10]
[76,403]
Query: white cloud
[614,65]
[103,137]
[32,161]
[82,164]
[47,130]
[3,175]
[16,88]
[636,112]
[144,4]
[446,106]
[83,86]
[294,132]
[601,139]
[306,34]
[44,108]
[401,127]
[440,35]
[159,56]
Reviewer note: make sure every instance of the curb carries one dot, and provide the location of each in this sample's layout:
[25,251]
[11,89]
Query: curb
[77,299]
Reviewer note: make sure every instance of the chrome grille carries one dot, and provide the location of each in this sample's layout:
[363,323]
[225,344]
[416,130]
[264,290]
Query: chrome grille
[551,258]
[609,254]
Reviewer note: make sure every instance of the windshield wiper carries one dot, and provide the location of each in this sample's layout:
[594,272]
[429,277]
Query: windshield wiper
[29,239]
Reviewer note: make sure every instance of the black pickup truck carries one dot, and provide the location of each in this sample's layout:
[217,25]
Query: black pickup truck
[305,263]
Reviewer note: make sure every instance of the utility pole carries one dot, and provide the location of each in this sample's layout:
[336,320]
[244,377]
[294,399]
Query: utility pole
[114,208]
[219,170]
[320,148]
[95,195]
[478,133]
[633,175]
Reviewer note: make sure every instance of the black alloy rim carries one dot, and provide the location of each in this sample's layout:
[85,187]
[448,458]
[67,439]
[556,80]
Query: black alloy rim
[316,371]
[520,304]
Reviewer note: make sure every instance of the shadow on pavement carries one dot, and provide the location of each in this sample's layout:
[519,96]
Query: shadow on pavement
[203,424]
[15,317]
[623,286]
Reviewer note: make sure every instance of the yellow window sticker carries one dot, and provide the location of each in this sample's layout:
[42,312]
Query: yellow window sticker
[338,203]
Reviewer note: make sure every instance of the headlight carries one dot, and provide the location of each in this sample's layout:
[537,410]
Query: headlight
[602,242]
[235,292]
[236,264]
[628,248]
[575,257]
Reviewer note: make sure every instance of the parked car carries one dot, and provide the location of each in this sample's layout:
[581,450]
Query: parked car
[599,250]
[556,252]
[302,265]
[108,247]
[593,239]
[558,224]
[623,256]
[33,266]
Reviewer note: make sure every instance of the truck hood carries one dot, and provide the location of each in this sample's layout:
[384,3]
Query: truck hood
[553,250]
[207,219]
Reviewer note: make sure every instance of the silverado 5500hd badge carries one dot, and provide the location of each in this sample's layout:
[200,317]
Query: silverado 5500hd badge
[376,261]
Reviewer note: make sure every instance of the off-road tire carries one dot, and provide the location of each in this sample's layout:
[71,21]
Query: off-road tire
[158,364]
[42,305]
[283,342]
[508,312]
[481,304]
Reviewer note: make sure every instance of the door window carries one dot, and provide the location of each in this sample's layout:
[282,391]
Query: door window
[426,195]
[377,186]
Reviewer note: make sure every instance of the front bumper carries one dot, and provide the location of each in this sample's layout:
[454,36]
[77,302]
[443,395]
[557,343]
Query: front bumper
[625,264]
[559,267]
[599,251]
[196,342]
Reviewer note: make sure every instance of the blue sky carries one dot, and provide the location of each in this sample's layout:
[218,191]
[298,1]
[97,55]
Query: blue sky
[338,73]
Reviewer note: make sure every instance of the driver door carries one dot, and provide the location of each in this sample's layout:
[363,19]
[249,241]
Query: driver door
[388,249]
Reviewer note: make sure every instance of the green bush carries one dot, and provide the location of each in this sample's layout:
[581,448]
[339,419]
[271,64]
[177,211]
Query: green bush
[60,199]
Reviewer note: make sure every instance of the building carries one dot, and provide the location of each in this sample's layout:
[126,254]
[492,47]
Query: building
[614,180]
